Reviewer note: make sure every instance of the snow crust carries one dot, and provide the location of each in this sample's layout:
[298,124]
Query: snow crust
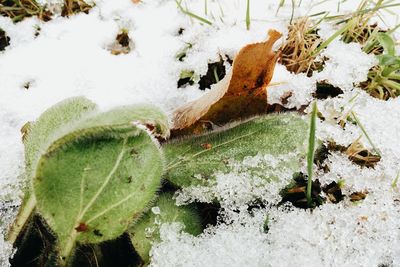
[69,57]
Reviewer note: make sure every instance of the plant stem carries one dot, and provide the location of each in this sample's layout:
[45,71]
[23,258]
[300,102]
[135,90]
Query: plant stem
[22,217]
[391,84]
[216,75]
[187,12]
[67,249]
[310,153]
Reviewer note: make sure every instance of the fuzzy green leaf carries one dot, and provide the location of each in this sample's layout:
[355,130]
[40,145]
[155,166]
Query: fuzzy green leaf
[92,182]
[50,126]
[202,156]
[147,230]
[144,115]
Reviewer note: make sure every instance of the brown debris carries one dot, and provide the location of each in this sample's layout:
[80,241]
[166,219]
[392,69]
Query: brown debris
[122,44]
[361,156]
[18,10]
[333,192]
[25,130]
[358,196]
[206,146]
[240,94]
[285,97]
[82,227]
[75,6]
[302,38]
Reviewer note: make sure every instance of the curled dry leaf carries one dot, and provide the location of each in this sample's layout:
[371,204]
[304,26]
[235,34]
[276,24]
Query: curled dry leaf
[240,94]
[361,156]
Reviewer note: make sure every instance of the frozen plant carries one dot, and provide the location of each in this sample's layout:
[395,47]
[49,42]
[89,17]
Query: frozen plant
[91,173]
[146,231]
[203,156]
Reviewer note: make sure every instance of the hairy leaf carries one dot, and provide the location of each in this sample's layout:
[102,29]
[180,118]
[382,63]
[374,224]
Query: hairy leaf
[92,182]
[50,126]
[147,230]
[202,156]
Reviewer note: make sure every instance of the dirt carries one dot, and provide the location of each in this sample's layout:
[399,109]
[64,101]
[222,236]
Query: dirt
[295,193]
[326,90]
[215,69]
[4,40]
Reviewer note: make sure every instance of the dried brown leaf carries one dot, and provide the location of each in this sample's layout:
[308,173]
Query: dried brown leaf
[240,94]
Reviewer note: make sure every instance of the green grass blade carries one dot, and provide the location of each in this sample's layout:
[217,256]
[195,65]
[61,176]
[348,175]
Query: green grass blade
[394,183]
[281,4]
[333,37]
[248,15]
[187,12]
[311,152]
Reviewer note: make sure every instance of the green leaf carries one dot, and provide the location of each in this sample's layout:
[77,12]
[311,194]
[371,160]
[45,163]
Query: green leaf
[147,230]
[92,182]
[203,156]
[122,119]
[388,60]
[50,126]
[389,70]
[387,43]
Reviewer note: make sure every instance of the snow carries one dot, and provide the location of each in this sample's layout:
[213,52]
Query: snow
[155,210]
[344,234]
[245,182]
[70,57]
[345,73]
[284,83]
[338,72]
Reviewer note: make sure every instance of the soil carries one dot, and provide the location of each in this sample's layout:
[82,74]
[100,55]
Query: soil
[4,40]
